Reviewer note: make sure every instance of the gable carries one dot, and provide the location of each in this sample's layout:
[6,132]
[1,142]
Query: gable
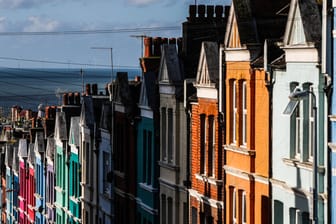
[143,101]
[297,35]
[303,24]
[164,72]
[234,38]
[208,67]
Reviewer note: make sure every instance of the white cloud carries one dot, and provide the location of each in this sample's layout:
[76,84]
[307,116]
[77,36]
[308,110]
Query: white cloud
[3,23]
[37,24]
[141,2]
[14,4]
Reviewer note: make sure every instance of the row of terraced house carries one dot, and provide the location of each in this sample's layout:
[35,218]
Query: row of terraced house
[232,123]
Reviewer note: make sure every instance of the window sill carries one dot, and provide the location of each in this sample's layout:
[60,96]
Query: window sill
[148,187]
[74,199]
[211,180]
[303,165]
[59,189]
[169,166]
[242,150]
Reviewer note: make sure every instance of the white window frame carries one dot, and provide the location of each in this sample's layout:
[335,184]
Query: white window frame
[234,207]
[311,127]
[298,137]
[244,111]
[234,112]
[244,218]
[213,148]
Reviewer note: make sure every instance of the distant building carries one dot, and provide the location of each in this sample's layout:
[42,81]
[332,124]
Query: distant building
[23,178]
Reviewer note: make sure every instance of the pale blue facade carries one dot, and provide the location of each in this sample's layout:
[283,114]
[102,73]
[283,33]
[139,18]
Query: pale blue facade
[332,140]
[40,178]
[293,134]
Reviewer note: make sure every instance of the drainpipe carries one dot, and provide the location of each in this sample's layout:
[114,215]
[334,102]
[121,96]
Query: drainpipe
[111,157]
[221,110]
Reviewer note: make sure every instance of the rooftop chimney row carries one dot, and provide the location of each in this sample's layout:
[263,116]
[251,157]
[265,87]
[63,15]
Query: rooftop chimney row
[207,11]
[152,46]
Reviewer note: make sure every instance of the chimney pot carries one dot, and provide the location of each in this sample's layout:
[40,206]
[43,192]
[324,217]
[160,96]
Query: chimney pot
[95,89]
[88,89]
[148,46]
[201,11]
[157,46]
[71,99]
[172,40]
[227,11]
[106,90]
[210,11]
[47,112]
[65,99]
[77,98]
[219,11]
[179,45]
[192,12]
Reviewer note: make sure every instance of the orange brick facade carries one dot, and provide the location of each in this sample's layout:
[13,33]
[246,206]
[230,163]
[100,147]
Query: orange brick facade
[208,184]
[246,144]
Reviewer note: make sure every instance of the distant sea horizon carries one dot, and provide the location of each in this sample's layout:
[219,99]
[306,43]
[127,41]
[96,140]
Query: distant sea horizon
[30,87]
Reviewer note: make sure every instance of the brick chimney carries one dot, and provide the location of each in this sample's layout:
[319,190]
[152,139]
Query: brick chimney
[148,46]
[95,89]
[88,89]
[71,98]
[157,46]
[65,99]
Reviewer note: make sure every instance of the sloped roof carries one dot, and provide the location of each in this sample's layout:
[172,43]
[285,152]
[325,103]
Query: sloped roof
[208,67]
[9,155]
[61,126]
[50,150]
[149,91]
[106,117]
[23,148]
[87,114]
[31,154]
[170,70]
[16,162]
[39,142]
[259,19]
[74,131]
[310,14]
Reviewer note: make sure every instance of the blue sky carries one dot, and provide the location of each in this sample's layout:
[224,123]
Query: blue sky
[70,15]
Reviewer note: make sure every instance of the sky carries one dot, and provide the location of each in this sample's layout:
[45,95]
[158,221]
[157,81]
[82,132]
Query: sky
[18,18]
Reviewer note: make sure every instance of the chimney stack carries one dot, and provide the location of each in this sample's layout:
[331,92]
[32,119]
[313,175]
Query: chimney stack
[77,98]
[219,11]
[148,46]
[71,99]
[210,11]
[65,99]
[88,89]
[172,40]
[201,11]
[95,89]
[157,46]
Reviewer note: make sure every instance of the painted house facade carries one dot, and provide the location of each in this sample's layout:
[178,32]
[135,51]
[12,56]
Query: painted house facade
[40,177]
[31,185]
[9,183]
[50,180]
[293,152]
[23,178]
[173,133]
[15,187]
[74,173]
[247,108]
[206,193]
[62,173]
[124,95]
[106,192]
[148,137]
